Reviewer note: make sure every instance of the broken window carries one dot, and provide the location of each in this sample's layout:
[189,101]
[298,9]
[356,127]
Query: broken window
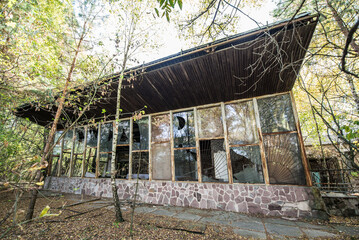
[161,147]
[140,134]
[213,161]
[56,153]
[123,132]
[106,137]
[246,164]
[161,161]
[183,130]
[241,123]
[276,114]
[91,151]
[209,122]
[78,152]
[140,162]
[105,165]
[186,165]
[122,160]
[66,154]
[284,159]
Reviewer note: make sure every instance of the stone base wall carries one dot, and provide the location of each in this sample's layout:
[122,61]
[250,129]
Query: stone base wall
[269,200]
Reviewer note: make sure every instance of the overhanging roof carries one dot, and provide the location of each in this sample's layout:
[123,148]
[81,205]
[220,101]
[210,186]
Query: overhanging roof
[258,62]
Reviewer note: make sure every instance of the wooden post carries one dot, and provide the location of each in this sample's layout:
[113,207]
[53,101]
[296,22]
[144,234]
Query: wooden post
[149,149]
[301,142]
[226,142]
[172,148]
[199,169]
[60,159]
[84,152]
[130,149]
[98,151]
[261,143]
[72,152]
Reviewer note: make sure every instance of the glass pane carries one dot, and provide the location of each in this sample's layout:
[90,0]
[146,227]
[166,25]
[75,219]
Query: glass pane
[140,134]
[106,137]
[105,165]
[161,161]
[276,114]
[283,159]
[65,164]
[140,165]
[90,162]
[183,130]
[186,165]
[77,160]
[68,141]
[122,160]
[57,149]
[54,165]
[79,141]
[213,161]
[160,128]
[92,134]
[241,123]
[210,122]
[247,164]
[123,132]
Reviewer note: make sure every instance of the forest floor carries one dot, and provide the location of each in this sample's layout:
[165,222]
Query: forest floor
[84,217]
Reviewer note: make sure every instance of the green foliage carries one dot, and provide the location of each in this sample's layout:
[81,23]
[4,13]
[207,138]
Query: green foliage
[166,6]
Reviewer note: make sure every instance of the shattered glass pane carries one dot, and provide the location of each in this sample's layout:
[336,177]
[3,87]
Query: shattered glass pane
[79,141]
[65,164]
[140,162]
[90,162]
[55,165]
[241,123]
[276,114]
[57,149]
[106,137]
[246,164]
[105,165]
[68,141]
[186,165]
[213,161]
[92,135]
[183,129]
[161,161]
[140,134]
[123,132]
[284,159]
[122,160]
[210,122]
[160,128]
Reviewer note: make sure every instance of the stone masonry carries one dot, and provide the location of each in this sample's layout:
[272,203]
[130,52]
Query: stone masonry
[269,200]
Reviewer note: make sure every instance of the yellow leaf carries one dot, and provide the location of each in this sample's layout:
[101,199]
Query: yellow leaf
[44,211]
[40,183]
[6,184]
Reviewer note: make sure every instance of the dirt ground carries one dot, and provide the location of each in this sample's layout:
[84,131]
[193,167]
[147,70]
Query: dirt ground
[88,221]
[97,224]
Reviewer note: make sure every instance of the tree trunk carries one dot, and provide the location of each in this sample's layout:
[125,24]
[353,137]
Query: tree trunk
[50,139]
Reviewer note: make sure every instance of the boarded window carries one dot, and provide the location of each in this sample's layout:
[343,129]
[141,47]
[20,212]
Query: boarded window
[90,162]
[140,162]
[92,135]
[213,161]
[106,137]
[140,134]
[284,159]
[183,130]
[241,124]
[78,152]
[160,128]
[105,165]
[123,132]
[122,160]
[210,122]
[276,114]
[161,161]
[246,164]
[186,165]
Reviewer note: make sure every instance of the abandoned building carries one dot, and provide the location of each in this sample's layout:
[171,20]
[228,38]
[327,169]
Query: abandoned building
[220,129]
